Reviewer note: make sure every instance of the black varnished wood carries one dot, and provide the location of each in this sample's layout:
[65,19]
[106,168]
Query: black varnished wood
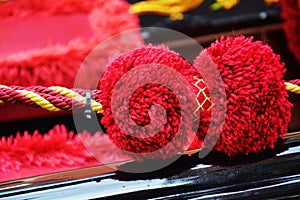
[202,20]
[269,175]
[276,176]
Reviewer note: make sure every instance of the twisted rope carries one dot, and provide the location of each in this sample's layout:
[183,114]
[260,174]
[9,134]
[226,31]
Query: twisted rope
[54,98]
[57,98]
[293,86]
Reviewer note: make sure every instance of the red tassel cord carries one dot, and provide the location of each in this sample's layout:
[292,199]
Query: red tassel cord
[53,98]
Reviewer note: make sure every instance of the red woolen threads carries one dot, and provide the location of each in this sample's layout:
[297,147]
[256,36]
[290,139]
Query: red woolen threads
[258,110]
[58,148]
[143,98]
[27,154]
[58,63]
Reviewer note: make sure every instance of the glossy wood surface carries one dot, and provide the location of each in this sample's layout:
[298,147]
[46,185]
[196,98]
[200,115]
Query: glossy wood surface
[268,175]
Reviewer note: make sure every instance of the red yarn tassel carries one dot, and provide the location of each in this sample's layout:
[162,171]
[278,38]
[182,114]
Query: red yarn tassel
[58,150]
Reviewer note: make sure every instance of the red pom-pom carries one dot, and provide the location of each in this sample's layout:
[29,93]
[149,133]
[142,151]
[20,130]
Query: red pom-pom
[174,129]
[258,110]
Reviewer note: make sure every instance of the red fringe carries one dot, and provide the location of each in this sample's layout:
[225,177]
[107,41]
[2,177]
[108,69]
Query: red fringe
[58,65]
[27,155]
[54,149]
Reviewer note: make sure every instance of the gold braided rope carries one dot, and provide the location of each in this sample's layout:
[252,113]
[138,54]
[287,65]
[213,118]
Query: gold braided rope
[97,107]
[293,88]
[74,95]
[37,99]
[45,104]
[3,86]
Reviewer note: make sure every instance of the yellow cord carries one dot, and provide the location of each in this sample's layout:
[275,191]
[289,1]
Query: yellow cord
[293,88]
[38,100]
[172,8]
[97,107]
[45,104]
[74,95]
